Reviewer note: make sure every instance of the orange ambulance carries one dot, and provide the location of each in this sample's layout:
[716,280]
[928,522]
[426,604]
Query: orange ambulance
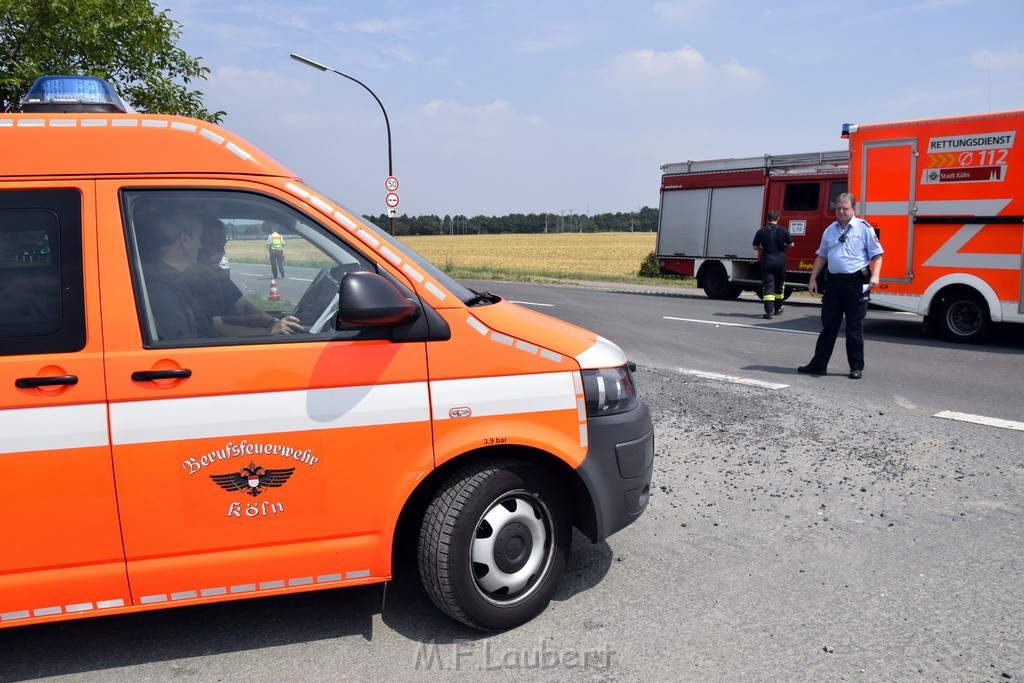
[170,437]
[946,196]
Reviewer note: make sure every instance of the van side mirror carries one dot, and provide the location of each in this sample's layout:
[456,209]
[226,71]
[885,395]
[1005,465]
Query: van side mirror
[366,299]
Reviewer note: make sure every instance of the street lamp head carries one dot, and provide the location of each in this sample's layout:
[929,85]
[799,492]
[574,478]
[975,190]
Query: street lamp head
[309,62]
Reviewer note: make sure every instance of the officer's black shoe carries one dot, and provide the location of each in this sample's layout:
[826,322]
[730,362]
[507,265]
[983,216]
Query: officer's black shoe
[855,374]
[808,370]
[778,311]
[767,316]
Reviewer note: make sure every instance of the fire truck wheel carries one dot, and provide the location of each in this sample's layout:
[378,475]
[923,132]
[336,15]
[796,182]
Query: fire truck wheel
[963,317]
[494,543]
[716,283]
[787,292]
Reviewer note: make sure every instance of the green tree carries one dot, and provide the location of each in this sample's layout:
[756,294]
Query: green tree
[128,43]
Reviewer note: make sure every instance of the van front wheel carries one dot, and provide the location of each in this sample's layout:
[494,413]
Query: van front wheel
[494,543]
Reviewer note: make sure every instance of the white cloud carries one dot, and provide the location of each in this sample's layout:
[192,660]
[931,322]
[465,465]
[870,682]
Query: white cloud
[1007,60]
[402,53]
[479,117]
[679,10]
[372,26]
[686,66]
[456,128]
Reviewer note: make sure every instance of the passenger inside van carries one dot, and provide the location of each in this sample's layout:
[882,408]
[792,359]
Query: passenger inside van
[170,240]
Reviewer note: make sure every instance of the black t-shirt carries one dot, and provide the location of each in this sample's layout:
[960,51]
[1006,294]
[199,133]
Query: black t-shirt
[176,311]
[773,240]
[213,289]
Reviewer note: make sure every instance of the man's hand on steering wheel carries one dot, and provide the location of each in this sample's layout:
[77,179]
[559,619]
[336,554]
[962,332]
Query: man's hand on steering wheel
[287,325]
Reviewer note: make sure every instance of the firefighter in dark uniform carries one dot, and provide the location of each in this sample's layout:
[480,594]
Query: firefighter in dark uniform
[772,241]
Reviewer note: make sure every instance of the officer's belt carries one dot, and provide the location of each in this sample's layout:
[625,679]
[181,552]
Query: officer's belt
[856,275]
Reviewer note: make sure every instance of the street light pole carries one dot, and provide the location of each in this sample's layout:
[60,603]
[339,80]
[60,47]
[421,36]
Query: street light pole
[387,124]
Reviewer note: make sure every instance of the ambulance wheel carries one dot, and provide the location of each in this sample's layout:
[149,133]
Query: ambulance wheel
[493,544]
[716,282]
[963,317]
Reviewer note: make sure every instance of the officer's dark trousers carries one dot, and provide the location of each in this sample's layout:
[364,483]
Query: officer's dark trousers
[276,263]
[842,298]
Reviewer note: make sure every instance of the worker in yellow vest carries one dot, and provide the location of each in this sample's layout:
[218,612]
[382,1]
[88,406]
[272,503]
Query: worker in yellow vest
[275,252]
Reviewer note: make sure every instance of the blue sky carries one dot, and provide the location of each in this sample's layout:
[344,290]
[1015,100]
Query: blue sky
[562,106]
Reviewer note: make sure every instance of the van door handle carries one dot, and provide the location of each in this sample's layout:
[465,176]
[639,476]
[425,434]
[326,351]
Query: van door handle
[34,382]
[150,375]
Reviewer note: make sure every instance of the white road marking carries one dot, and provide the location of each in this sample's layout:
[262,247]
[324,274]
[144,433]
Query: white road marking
[530,303]
[752,327]
[734,380]
[981,420]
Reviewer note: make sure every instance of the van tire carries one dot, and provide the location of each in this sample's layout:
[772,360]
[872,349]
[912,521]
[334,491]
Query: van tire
[494,544]
[962,317]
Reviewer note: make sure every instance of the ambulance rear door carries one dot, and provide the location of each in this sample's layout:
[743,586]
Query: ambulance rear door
[249,463]
[887,175]
[62,552]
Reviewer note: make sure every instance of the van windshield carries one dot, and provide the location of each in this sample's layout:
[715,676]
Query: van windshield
[463,293]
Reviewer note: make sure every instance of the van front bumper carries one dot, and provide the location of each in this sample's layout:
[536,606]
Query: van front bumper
[617,470]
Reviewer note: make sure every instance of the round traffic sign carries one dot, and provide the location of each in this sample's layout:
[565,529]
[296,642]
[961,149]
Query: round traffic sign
[391,199]
[391,184]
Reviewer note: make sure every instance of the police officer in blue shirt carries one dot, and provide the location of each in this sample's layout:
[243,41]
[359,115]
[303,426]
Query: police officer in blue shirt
[854,257]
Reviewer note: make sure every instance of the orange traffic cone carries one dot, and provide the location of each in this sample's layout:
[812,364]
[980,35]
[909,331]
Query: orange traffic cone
[274,296]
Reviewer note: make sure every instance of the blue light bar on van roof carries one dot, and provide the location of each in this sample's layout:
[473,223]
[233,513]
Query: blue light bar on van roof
[79,94]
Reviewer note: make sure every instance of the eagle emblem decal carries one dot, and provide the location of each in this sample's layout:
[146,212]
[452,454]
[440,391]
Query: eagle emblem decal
[253,479]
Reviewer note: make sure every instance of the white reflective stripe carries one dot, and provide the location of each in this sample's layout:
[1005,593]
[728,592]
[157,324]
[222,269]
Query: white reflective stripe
[965,207]
[53,428]
[952,207]
[287,411]
[108,604]
[68,609]
[949,254]
[603,354]
[78,607]
[874,209]
[507,395]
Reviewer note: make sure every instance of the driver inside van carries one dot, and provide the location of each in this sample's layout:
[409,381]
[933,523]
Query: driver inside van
[222,301]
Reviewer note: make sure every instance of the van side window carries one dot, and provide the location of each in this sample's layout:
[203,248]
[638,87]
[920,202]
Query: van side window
[42,300]
[801,197]
[202,269]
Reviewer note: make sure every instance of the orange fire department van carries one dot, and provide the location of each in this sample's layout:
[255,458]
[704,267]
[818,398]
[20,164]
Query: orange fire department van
[170,437]
[947,199]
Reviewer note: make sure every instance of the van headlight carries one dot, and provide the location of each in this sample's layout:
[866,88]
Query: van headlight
[609,391]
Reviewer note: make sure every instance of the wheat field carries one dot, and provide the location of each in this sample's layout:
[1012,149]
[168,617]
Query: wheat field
[605,254]
[610,254]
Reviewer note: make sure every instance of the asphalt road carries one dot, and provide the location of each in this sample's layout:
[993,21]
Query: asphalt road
[801,528]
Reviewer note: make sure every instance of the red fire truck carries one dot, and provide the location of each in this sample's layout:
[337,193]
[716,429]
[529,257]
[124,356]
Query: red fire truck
[711,209]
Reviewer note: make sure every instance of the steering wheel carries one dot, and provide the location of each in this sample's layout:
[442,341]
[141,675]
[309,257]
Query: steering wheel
[326,318]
